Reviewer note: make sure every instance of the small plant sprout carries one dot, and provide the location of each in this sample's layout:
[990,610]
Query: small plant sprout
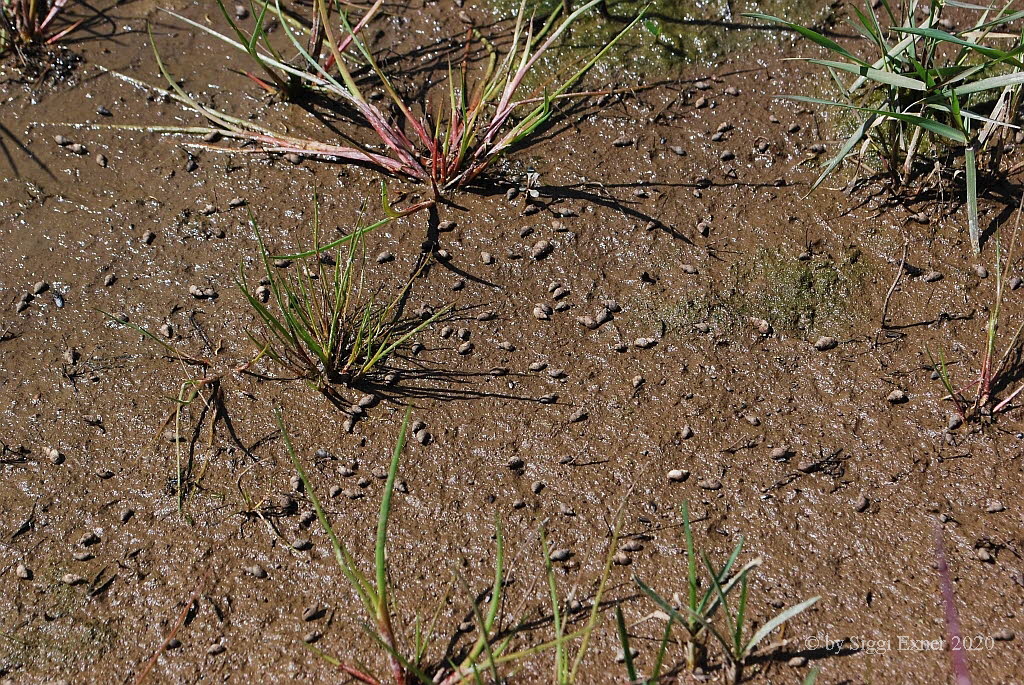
[994,373]
[203,389]
[319,322]
[696,613]
[445,141]
[926,94]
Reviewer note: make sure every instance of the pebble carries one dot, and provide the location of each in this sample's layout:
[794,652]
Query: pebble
[644,343]
[54,455]
[994,507]
[293,158]
[557,373]
[685,433]
[126,515]
[465,348]
[487,258]
[78,148]
[90,538]
[82,556]
[313,613]
[541,249]
[148,237]
[538,366]
[312,636]
[678,475]
[678,150]
[446,225]
[632,546]
[727,156]
[620,655]
[561,555]
[932,277]
[542,312]
[578,415]
[862,503]
[241,12]
[689,269]
[624,141]
[980,271]
[61,140]
[109,280]
[797,662]
[215,649]
[72,579]
[621,559]
[897,396]
[23,572]
[1003,635]
[825,343]
[101,159]
[423,436]
[385,257]
[104,474]
[780,453]
[256,571]
[709,484]
[537,487]
[1016,282]
[485,316]
[301,544]
[983,554]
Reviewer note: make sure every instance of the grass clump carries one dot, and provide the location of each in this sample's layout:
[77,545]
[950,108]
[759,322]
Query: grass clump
[924,94]
[319,323]
[409,661]
[31,22]
[445,140]
[710,611]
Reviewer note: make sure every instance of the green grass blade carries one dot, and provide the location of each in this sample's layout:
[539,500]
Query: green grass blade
[380,557]
[925,123]
[971,164]
[771,625]
[627,651]
[809,34]
[878,75]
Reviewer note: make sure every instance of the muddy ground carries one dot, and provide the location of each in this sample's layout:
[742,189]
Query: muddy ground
[697,249]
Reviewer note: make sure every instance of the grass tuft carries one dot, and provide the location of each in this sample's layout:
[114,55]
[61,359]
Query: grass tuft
[319,323]
[446,140]
[923,90]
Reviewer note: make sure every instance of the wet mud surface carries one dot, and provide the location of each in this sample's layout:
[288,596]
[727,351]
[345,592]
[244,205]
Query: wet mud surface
[723,272]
